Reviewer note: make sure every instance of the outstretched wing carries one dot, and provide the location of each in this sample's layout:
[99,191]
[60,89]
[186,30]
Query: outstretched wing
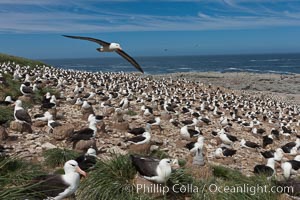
[130,59]
[101,42]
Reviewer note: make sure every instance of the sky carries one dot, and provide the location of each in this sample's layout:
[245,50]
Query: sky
[33,28]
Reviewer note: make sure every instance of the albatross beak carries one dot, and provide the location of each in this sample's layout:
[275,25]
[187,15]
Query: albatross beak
[80,171]
[175,166]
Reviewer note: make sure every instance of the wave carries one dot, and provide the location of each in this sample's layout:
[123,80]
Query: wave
[267,60]
[184,68]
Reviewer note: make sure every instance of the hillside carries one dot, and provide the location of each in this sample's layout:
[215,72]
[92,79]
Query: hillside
[19,60]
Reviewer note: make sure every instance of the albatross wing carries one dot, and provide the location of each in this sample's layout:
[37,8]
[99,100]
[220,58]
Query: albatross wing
[101,42]
[130,59]
[145,166]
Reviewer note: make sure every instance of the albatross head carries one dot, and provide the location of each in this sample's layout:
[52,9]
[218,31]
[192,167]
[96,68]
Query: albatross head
[72,166]
[146,134]
[219,153]
[18,103]
[115,46]
[91,152]
[297,158]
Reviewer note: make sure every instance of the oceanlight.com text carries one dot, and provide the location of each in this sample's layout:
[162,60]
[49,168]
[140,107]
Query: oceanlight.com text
[212,188]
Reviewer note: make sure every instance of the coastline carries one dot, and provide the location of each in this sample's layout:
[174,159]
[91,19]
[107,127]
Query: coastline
[286,87]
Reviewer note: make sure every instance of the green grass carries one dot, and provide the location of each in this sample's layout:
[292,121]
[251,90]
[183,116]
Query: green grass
[131,113]
[113,179]
[17,172]
[20,60]
[159,154]
[16,177]
[12,89]
[57,157]
[110,179]
[39,95]
[234,183]
[6,114]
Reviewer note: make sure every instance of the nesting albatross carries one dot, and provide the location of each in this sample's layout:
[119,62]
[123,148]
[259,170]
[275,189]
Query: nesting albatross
[109,47]
[60,186]
[20,114]
[152,169]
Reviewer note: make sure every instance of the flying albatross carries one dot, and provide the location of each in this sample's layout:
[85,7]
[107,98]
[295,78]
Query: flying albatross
[109,47]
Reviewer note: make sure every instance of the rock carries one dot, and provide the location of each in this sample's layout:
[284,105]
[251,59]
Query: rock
[122,126]
[84,145]
[31,136]
[92,101]
[116,150]
[165,116]
[86,113]
[39,124]
[48,145]
[16,126]
[139,148]
[62,132]
[3,134]
[156,129]
[26,99]
[101,127]
[53,112]
[39,149]
[157,141]
[154,148]
[109,111]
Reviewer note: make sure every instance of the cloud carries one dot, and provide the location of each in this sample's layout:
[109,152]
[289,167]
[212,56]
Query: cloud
[54,16]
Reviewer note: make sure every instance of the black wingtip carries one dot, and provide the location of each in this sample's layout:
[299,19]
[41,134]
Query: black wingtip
[69,36]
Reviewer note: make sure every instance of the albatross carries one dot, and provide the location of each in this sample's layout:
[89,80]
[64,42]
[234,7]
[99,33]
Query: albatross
[110,47]
[152,169]
[20,114]
[60,186]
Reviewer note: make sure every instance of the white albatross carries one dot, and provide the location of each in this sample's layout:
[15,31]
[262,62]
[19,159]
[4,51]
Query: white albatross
[60,186]
[152,169]
[110,47]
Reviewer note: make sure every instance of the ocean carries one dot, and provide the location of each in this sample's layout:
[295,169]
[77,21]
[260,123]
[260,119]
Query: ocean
[263,63]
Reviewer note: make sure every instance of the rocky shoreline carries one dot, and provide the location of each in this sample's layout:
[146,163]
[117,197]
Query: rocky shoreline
[286,87]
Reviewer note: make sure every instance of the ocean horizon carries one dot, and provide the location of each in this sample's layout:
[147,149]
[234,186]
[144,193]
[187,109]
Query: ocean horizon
[256,63]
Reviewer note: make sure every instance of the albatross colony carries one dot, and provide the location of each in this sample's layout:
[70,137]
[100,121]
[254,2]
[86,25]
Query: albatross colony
[224,118]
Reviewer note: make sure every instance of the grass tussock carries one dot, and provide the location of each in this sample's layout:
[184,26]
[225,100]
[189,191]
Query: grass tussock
[234,185]
[17,172]
[159,154]
[16,178]
[6,114]
[110,179]
[57,157]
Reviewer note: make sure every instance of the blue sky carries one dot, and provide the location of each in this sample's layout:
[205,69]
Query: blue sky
[33,28]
